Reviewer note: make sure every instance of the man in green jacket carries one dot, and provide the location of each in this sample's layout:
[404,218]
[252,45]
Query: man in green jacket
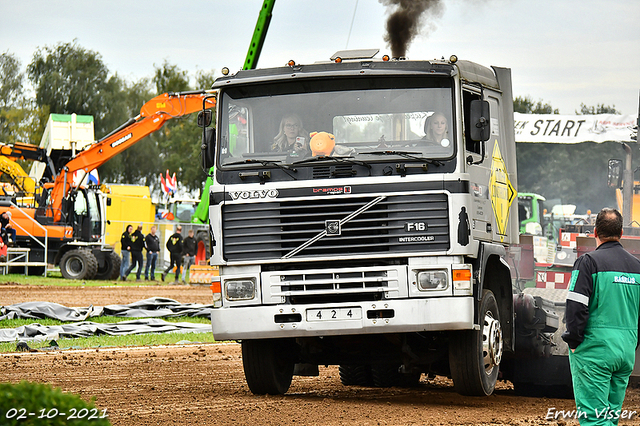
[602,323]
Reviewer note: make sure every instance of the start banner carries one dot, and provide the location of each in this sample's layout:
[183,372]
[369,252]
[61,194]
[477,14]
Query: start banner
[554,128]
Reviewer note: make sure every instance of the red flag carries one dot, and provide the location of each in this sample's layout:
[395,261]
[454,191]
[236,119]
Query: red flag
[174,183]
[163,184]
[169,184]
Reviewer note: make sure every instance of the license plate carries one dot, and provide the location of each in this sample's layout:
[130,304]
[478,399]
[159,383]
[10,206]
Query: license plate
[337,314]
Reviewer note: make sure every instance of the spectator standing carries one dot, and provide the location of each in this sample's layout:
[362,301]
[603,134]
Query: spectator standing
[602,322]
[189,254]
[137,244]
[174,245]
[152,244]
[125,246]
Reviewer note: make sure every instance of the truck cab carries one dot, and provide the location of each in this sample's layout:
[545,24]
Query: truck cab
[360,214]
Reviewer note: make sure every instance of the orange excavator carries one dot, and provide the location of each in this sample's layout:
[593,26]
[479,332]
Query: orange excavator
[68,219]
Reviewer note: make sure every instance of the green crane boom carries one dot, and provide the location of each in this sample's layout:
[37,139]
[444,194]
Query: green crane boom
[259,34]
[201,215]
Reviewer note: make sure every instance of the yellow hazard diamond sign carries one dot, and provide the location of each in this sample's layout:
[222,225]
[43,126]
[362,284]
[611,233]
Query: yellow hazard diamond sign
[501,191]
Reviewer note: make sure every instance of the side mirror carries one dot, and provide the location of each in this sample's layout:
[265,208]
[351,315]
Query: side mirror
[204,118]
[614,174]
[479,129]
[208,148]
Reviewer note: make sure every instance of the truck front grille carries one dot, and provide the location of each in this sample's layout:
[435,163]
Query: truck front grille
[336,286]
[272,230]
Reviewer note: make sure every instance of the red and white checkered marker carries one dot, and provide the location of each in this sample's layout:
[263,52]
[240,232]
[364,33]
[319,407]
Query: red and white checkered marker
[568,239]
[551,279]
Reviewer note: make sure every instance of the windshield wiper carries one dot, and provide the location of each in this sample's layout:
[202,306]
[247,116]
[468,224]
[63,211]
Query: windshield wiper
[406,154]
[348,159]
[284,167]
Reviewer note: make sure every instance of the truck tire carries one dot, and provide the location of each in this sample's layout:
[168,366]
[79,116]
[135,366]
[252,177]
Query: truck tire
[388,375]
[78,264]
[268,367]
[203,246]
[475,355]
[111,268]
[355,375]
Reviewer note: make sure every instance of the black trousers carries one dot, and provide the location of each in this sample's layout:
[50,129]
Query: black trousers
[136,258]
[176,259]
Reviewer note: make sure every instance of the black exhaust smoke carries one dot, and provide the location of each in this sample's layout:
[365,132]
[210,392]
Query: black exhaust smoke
[406,22]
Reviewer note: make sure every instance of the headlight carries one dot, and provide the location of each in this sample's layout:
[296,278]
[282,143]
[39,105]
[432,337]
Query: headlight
[432,280]
[240,289]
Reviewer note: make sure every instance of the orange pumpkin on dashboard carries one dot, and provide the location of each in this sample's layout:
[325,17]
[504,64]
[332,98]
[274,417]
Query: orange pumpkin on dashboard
[322,143]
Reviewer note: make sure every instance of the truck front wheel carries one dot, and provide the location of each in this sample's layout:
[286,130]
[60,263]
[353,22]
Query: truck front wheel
[475,355]
[78,264]
[268,366]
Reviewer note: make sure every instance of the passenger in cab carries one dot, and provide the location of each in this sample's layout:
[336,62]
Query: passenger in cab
[436,129]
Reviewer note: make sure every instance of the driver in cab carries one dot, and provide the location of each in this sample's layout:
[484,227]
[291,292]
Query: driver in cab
[292,138]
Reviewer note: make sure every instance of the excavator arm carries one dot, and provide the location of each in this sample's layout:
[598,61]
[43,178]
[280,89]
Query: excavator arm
[9,154]
[18,176]
[153,115]
[25,151]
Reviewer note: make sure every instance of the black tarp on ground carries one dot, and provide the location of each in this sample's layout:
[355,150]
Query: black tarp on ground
[40,332]
[151,309]
[155,307]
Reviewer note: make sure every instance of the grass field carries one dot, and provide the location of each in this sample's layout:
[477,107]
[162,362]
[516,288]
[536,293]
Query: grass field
[102,320]
[116,341]
[109,341]
[55,278]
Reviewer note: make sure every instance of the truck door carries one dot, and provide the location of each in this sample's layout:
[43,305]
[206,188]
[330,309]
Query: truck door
[478,168]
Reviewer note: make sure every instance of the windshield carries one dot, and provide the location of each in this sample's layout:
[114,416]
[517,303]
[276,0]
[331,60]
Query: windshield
[94,213]
[350,118]
[184,211]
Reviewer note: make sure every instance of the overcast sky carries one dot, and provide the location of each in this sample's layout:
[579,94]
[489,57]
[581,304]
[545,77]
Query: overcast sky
[563,52]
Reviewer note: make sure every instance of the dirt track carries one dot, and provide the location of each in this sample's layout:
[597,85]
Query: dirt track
[100,296]
[204,384]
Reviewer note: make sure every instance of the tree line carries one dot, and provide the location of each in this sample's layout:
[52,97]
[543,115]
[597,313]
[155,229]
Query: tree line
[67,78]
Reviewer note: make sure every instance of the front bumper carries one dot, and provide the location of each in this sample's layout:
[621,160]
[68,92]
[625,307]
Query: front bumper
[387,316]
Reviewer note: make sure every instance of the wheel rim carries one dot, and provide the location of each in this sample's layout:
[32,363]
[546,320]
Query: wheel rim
[75,266]
[491,343]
